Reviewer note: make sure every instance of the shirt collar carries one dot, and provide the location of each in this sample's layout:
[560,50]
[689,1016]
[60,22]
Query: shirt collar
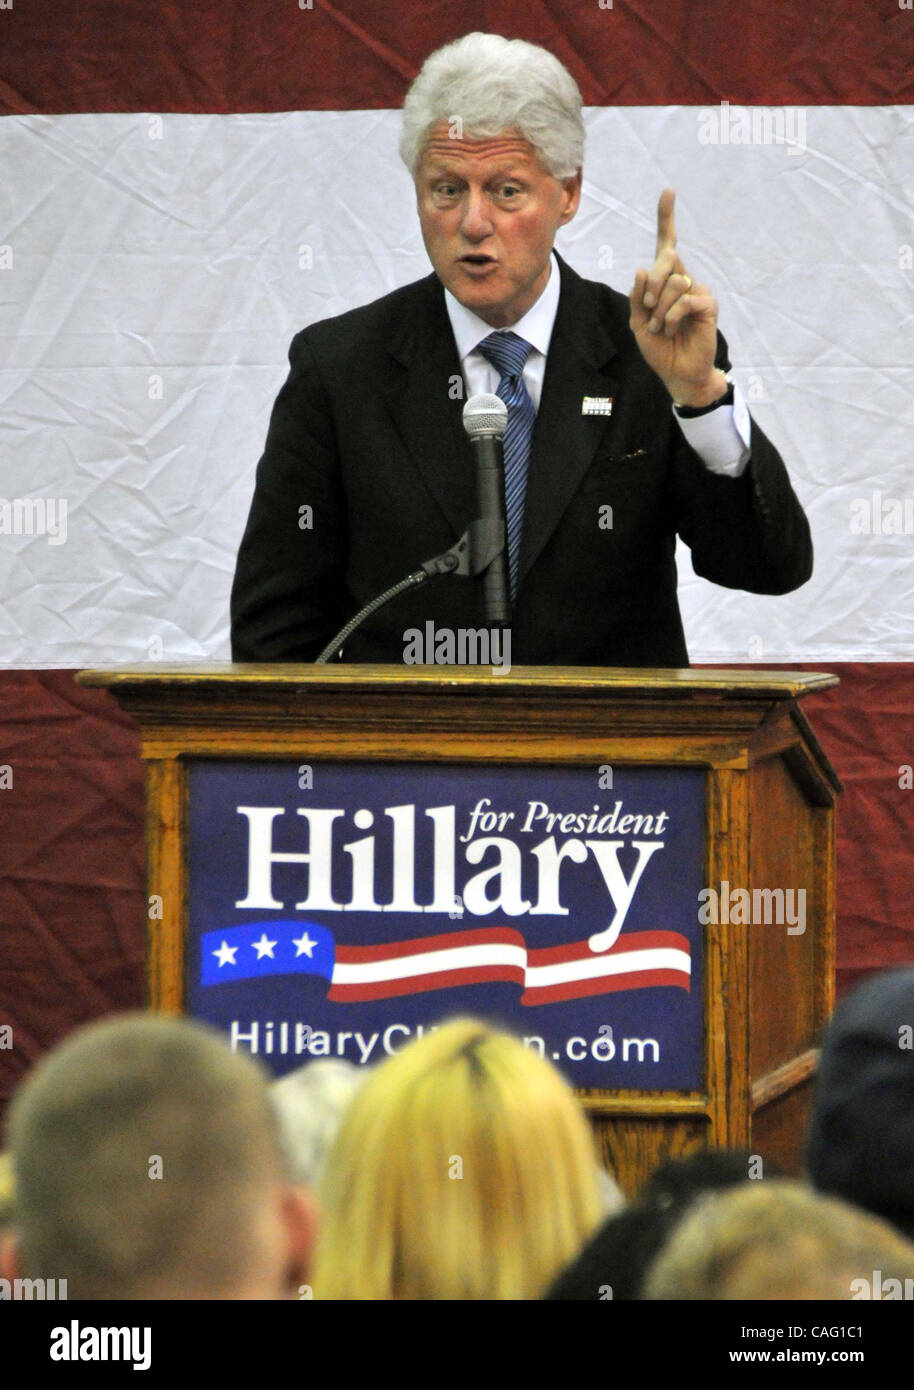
[535,325]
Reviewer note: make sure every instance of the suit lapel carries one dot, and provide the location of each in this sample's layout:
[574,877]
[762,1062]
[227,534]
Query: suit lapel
[426,408]
[426,398]
[565,440]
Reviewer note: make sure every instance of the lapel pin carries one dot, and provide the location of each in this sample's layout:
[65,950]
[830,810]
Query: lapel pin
[597,405]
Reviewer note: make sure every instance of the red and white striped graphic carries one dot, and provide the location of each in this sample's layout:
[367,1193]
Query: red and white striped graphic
[487,955]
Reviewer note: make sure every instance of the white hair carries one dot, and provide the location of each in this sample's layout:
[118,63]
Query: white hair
[309,1104]
[490,84]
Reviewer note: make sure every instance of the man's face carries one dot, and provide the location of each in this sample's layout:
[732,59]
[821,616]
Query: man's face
[489,212]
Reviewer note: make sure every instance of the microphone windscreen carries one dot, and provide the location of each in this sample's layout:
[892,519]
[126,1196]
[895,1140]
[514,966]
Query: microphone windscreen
[485,414]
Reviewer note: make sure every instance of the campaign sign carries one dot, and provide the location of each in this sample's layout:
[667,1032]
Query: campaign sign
[340,909]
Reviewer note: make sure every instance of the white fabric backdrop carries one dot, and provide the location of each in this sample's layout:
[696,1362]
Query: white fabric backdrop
[152,275]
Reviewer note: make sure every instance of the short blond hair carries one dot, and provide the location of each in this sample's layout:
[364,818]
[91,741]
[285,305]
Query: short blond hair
[145,1154]
[464,1169]
[7,1192]
[775,1239]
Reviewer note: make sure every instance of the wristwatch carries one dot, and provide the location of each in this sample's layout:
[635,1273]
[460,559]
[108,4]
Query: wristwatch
[689,412]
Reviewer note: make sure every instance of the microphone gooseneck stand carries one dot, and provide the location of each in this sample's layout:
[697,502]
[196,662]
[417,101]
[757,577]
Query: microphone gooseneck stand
[481,550]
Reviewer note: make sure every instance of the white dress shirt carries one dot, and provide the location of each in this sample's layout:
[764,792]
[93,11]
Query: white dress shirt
[721,439]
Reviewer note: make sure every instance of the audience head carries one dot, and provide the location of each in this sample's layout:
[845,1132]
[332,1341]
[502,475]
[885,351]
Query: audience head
[861,1139]
[7,1193]
[147,1164]
[776,1239]
[464,1169]
[309,1103]
[614,1262]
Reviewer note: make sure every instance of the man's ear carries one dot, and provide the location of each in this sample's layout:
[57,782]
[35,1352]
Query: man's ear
[572,188]
[9,1256]
[299,1217]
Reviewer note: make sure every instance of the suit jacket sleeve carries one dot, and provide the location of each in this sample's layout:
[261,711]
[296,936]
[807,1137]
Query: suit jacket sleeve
[748,532]
[288,594]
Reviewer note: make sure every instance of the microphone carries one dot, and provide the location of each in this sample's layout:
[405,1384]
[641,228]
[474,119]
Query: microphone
[485,419]
[483,547]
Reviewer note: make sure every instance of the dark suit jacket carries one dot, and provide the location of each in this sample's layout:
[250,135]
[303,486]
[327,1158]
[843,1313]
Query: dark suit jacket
[367,432]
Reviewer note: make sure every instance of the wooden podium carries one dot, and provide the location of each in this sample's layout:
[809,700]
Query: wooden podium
[769,798]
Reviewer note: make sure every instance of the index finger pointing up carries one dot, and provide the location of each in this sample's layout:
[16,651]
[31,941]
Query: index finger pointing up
[666,227]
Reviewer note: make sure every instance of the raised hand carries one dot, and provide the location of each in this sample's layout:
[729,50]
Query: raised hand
[674,320]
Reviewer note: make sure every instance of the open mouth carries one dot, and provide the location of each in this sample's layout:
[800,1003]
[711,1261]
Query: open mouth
[477,259]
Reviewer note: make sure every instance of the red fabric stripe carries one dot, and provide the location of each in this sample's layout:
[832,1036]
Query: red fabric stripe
[231,55]
[72,862]
[866,727]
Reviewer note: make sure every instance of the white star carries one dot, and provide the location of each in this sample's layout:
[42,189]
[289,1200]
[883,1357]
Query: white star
[264,947]
[305,945]
[226,955]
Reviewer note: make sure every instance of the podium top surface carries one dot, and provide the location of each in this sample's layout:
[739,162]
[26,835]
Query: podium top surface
[219,707]
[738,683]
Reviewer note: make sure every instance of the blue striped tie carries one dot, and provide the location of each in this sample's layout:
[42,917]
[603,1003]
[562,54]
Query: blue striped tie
[508,353]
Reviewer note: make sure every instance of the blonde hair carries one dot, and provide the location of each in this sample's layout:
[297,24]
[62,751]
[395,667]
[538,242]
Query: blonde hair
[464,1169]
[7,1192]
[775,1239]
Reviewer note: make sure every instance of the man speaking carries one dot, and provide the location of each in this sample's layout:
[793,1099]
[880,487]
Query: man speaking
[623,429]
